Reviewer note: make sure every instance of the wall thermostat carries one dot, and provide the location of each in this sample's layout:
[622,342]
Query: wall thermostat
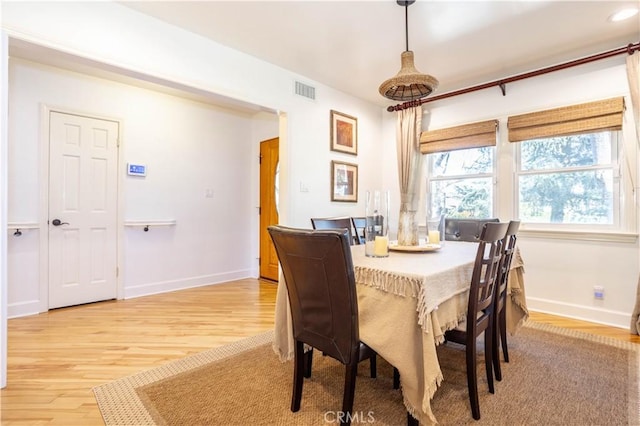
[136,169]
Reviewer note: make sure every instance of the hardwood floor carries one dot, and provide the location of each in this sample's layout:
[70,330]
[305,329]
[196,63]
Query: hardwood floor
[56,358]
[587,327]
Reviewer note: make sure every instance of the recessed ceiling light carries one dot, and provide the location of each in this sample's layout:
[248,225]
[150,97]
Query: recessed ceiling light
[623,14]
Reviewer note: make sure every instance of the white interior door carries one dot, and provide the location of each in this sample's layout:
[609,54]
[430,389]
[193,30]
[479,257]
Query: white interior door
[83,154]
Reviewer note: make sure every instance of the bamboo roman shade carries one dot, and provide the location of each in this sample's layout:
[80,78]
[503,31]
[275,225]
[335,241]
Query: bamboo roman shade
[474,135]
[571,120]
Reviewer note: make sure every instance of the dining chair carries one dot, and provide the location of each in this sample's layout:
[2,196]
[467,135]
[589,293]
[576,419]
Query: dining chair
[359,223]
[479,320]
[335,223]
[500,311]
[320,279]
[466,229]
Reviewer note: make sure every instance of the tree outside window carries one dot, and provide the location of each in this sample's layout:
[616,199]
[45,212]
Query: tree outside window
[568,179]
[461,183]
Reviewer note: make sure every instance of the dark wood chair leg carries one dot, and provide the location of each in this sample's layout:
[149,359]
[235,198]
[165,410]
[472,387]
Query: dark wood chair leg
[412,421]
[500,339]
[373,366]
[298,373]
[503,334]
[396,378]
[308,361]
[472,381]
[349,391]
[496,353]
[488,357]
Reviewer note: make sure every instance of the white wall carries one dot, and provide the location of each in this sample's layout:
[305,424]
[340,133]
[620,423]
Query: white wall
[189,148]
[200,248]
[148,46]
[4,111]
[560,272]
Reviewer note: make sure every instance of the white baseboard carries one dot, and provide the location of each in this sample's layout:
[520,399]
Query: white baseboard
[33,307]
[579,312]
[23,309]
[182,284]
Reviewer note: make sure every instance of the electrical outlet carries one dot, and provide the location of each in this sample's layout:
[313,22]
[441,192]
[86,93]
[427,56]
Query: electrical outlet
[598,292]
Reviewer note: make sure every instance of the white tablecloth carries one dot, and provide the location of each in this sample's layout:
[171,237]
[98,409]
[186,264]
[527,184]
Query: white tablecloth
[405,303]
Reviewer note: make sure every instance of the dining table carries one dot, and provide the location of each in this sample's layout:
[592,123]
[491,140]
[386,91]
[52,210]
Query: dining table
[406,302]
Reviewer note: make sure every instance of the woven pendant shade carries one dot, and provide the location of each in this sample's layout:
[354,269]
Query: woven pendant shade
[409,83]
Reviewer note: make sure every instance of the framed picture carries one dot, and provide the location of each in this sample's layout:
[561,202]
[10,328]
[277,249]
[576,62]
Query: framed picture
[344,133]
[344,182]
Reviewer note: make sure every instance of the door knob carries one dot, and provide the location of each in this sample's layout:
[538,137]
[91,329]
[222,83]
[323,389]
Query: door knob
[57,222]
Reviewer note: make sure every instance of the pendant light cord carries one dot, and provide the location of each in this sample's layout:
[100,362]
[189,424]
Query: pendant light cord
[406,25]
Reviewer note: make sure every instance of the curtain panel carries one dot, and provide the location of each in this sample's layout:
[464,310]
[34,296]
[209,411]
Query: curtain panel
[408,127]
[474,135]
[633,75]
[583,118]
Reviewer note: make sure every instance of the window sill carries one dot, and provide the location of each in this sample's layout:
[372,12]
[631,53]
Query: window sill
[613,237]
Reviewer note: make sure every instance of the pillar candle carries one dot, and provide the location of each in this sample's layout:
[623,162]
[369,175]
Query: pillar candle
[434,237]
[369,248]
[381,247]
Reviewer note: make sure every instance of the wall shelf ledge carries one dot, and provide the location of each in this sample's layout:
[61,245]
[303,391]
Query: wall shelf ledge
[146,224]
[23,225]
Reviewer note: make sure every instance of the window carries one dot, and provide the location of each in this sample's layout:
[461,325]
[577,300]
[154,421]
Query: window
[567,164]
[569,179]
[460,170]
[461,183]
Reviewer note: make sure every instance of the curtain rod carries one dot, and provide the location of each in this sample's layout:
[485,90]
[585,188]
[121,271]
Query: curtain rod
[630,48]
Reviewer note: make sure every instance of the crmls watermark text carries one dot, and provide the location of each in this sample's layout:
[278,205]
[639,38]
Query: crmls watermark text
[354,417]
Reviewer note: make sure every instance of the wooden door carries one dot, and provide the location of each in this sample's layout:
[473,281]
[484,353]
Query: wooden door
[269,167]
[83,155]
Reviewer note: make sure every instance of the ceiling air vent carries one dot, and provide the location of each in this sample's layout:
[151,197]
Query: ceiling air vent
[305,90]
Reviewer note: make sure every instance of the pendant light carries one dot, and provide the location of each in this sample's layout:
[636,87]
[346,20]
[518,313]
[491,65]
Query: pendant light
[409,84]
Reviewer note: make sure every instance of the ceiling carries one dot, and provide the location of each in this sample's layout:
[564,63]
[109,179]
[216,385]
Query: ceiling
[353,46]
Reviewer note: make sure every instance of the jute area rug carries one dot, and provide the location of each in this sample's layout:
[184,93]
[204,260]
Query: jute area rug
[555,377]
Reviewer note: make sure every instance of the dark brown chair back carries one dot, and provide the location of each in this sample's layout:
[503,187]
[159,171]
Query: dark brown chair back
[464,229]
[508,249]
[485,277]
[502,288]
[320,278]
[359,223]
[335,223]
